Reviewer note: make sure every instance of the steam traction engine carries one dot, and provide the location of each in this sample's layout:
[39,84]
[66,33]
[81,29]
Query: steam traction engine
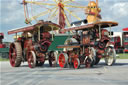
[78,49]
[89,44]
[103,46]
[32,46]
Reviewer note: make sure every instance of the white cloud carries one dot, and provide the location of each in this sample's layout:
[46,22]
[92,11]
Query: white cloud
[16,15]
[12,5]
[11,11]
[115,10]
[120,9]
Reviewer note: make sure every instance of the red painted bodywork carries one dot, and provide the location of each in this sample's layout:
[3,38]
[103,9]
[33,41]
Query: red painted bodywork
[125,29]
[2,35]
[126,48]
[116,41]
[35,40]
[1,43]
[125,43]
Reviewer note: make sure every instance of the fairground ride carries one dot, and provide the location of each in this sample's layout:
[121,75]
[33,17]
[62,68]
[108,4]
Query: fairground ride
[51,10]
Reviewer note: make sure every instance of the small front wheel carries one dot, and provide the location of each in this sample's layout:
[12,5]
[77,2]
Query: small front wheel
[63,59]
[91,59]
[53,59]
[76,63]
[110,56]
[31,58]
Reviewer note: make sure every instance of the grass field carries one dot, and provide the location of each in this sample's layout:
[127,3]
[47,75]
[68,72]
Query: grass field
[123,56]
[3,59]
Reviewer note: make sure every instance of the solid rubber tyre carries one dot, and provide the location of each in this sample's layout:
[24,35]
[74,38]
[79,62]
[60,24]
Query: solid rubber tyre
[63,60]
[31,58]
[15,54]
[53,59]
[76,63]
[110,56]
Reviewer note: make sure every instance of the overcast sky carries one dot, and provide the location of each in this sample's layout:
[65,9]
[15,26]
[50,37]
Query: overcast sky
[12,14]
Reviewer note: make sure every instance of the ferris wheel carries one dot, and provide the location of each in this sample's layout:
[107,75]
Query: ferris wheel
[58,11]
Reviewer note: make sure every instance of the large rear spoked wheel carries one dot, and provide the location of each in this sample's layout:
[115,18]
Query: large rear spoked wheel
[63,60]
[31,57]
[15,54]
[110,56]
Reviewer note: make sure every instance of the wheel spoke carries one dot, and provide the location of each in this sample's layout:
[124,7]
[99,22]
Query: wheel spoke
[31,59]
[76,63]
[39,3]
[13,60]
[87,64]
[41,14]
[110,56]
[52,59]
[13,54]
[53,14]
[74,6]
[62,60]
[72,14]
[69,1]
[55,1]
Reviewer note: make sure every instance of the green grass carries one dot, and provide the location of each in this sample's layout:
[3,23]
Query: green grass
[123,56]
[3,59]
